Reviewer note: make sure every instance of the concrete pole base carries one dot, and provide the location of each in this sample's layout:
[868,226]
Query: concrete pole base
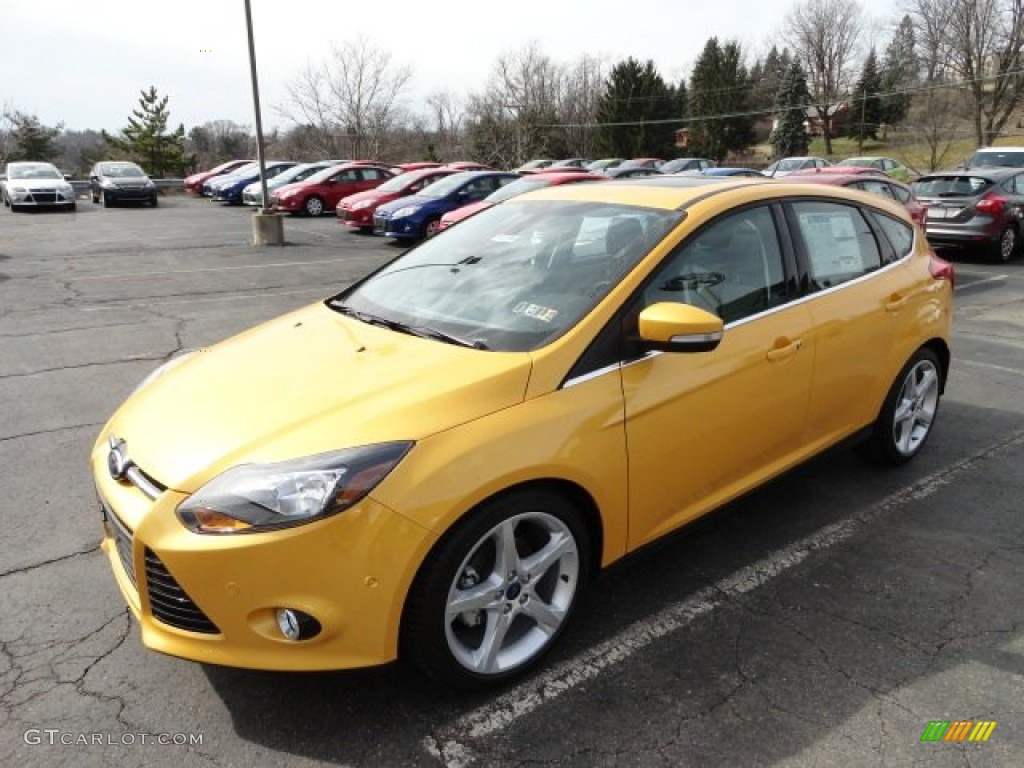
[267,228]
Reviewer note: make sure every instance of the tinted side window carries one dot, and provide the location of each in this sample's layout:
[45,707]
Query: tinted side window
[878,187]
[899,233]
[839,242]
[900,193]
[732,267]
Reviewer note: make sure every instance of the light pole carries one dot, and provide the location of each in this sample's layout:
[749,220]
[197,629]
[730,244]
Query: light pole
[267,227]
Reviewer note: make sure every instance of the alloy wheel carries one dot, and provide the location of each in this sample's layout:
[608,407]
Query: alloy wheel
[915,408]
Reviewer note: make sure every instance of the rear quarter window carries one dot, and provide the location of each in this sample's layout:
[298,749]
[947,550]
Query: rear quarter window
[899,233]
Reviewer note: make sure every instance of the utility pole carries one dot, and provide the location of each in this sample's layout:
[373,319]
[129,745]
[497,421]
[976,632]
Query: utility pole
[863,109]
[267,227]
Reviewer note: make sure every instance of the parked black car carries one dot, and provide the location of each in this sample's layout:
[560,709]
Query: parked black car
[117,181]
[980,208]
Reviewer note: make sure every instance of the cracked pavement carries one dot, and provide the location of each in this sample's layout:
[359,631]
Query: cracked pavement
[840,658]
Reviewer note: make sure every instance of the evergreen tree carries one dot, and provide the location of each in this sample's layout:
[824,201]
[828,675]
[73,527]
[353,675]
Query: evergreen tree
[899,73]
[720,94]
[147,141]
[790,137]
[636,94]
[766,78]
[866,103]
[31,139]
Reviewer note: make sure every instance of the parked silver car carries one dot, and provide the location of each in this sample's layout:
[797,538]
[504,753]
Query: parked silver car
[36,185]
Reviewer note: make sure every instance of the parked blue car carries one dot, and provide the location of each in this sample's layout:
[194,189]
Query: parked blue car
[211,185]
[230,190]
[410,218]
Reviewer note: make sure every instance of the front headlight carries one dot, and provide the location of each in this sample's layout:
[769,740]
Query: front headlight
[289,193]
[259,497]
[150,184]
[108,184]
[362,204]
[409,210]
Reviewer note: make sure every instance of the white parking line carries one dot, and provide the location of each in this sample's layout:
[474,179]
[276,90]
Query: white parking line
[972,284]
[450,744]
[135,275]
[991,366]
[219,297]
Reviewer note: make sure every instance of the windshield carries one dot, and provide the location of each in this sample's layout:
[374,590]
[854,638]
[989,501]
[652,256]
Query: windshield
[296,173]
[951,186]
[789,164]
[34,171]
[447,185]
[121,170]
[1008,159]
[518,187]
[859,162]
[400,182]
[514,277]
[249,167]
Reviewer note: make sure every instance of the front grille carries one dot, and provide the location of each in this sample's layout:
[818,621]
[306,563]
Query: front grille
[123,542]
[44,197]
[170,603]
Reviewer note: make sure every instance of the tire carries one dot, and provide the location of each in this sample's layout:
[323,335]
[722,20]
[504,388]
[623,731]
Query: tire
[105,201]
[313,205]
[511,616]
[1006,247]
[909,411]
[431,227]
[95,196]
[71,207]
[154,202]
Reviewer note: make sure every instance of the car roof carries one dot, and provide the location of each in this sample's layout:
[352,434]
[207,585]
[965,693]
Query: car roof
[992,171]
[681,192]
[838,178]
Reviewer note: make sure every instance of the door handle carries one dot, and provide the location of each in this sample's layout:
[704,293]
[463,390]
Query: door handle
[787,349]
[896,302]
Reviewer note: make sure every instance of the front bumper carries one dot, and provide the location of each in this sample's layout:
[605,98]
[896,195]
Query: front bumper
[405,228]
[42,198]
[287,205]
[351,571]
[129,194]
[361,218]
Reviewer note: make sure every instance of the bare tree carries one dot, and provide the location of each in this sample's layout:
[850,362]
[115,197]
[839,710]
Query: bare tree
[985,39]
[583,85]
[447,114]
[825,35]
[351,100]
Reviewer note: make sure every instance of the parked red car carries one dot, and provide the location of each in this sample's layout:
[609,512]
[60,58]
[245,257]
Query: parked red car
[519,186]
[322,191]
[194,183]
[356,210]
[872,181]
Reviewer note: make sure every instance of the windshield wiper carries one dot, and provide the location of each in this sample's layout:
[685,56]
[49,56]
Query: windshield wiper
[421,331]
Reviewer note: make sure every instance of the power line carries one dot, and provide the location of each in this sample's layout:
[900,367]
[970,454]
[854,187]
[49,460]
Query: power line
[952,84]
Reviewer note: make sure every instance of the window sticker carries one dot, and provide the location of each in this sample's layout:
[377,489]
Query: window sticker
[535,310]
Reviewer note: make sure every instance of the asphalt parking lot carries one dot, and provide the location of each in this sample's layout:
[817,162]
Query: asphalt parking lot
[824,620]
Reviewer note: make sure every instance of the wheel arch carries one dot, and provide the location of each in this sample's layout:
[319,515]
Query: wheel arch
[941,349]
[572,492]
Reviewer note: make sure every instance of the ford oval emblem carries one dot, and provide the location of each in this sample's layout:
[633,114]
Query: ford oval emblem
[117,459]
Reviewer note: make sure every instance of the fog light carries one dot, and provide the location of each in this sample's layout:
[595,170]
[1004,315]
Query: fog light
[296,625]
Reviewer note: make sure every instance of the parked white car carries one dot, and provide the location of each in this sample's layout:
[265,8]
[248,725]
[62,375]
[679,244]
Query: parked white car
[36,185]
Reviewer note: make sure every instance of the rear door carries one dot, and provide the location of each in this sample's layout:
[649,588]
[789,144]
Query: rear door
[857,300]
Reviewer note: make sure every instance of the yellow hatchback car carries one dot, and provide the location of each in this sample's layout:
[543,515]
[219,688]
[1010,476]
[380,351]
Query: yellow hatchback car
[432,463]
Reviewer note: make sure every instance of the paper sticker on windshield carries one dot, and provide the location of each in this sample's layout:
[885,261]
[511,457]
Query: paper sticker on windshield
[504,238]
[535,310]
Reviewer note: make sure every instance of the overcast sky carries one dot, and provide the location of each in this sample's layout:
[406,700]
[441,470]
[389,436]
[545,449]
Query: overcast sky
[82,63]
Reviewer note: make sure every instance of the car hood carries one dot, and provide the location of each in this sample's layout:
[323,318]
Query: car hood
[37,183]
[420,200]
[372,195]
[306,383]
[127,181]
[295,186]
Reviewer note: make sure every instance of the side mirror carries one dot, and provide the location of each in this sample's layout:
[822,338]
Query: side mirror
[672,327]
[67,177]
